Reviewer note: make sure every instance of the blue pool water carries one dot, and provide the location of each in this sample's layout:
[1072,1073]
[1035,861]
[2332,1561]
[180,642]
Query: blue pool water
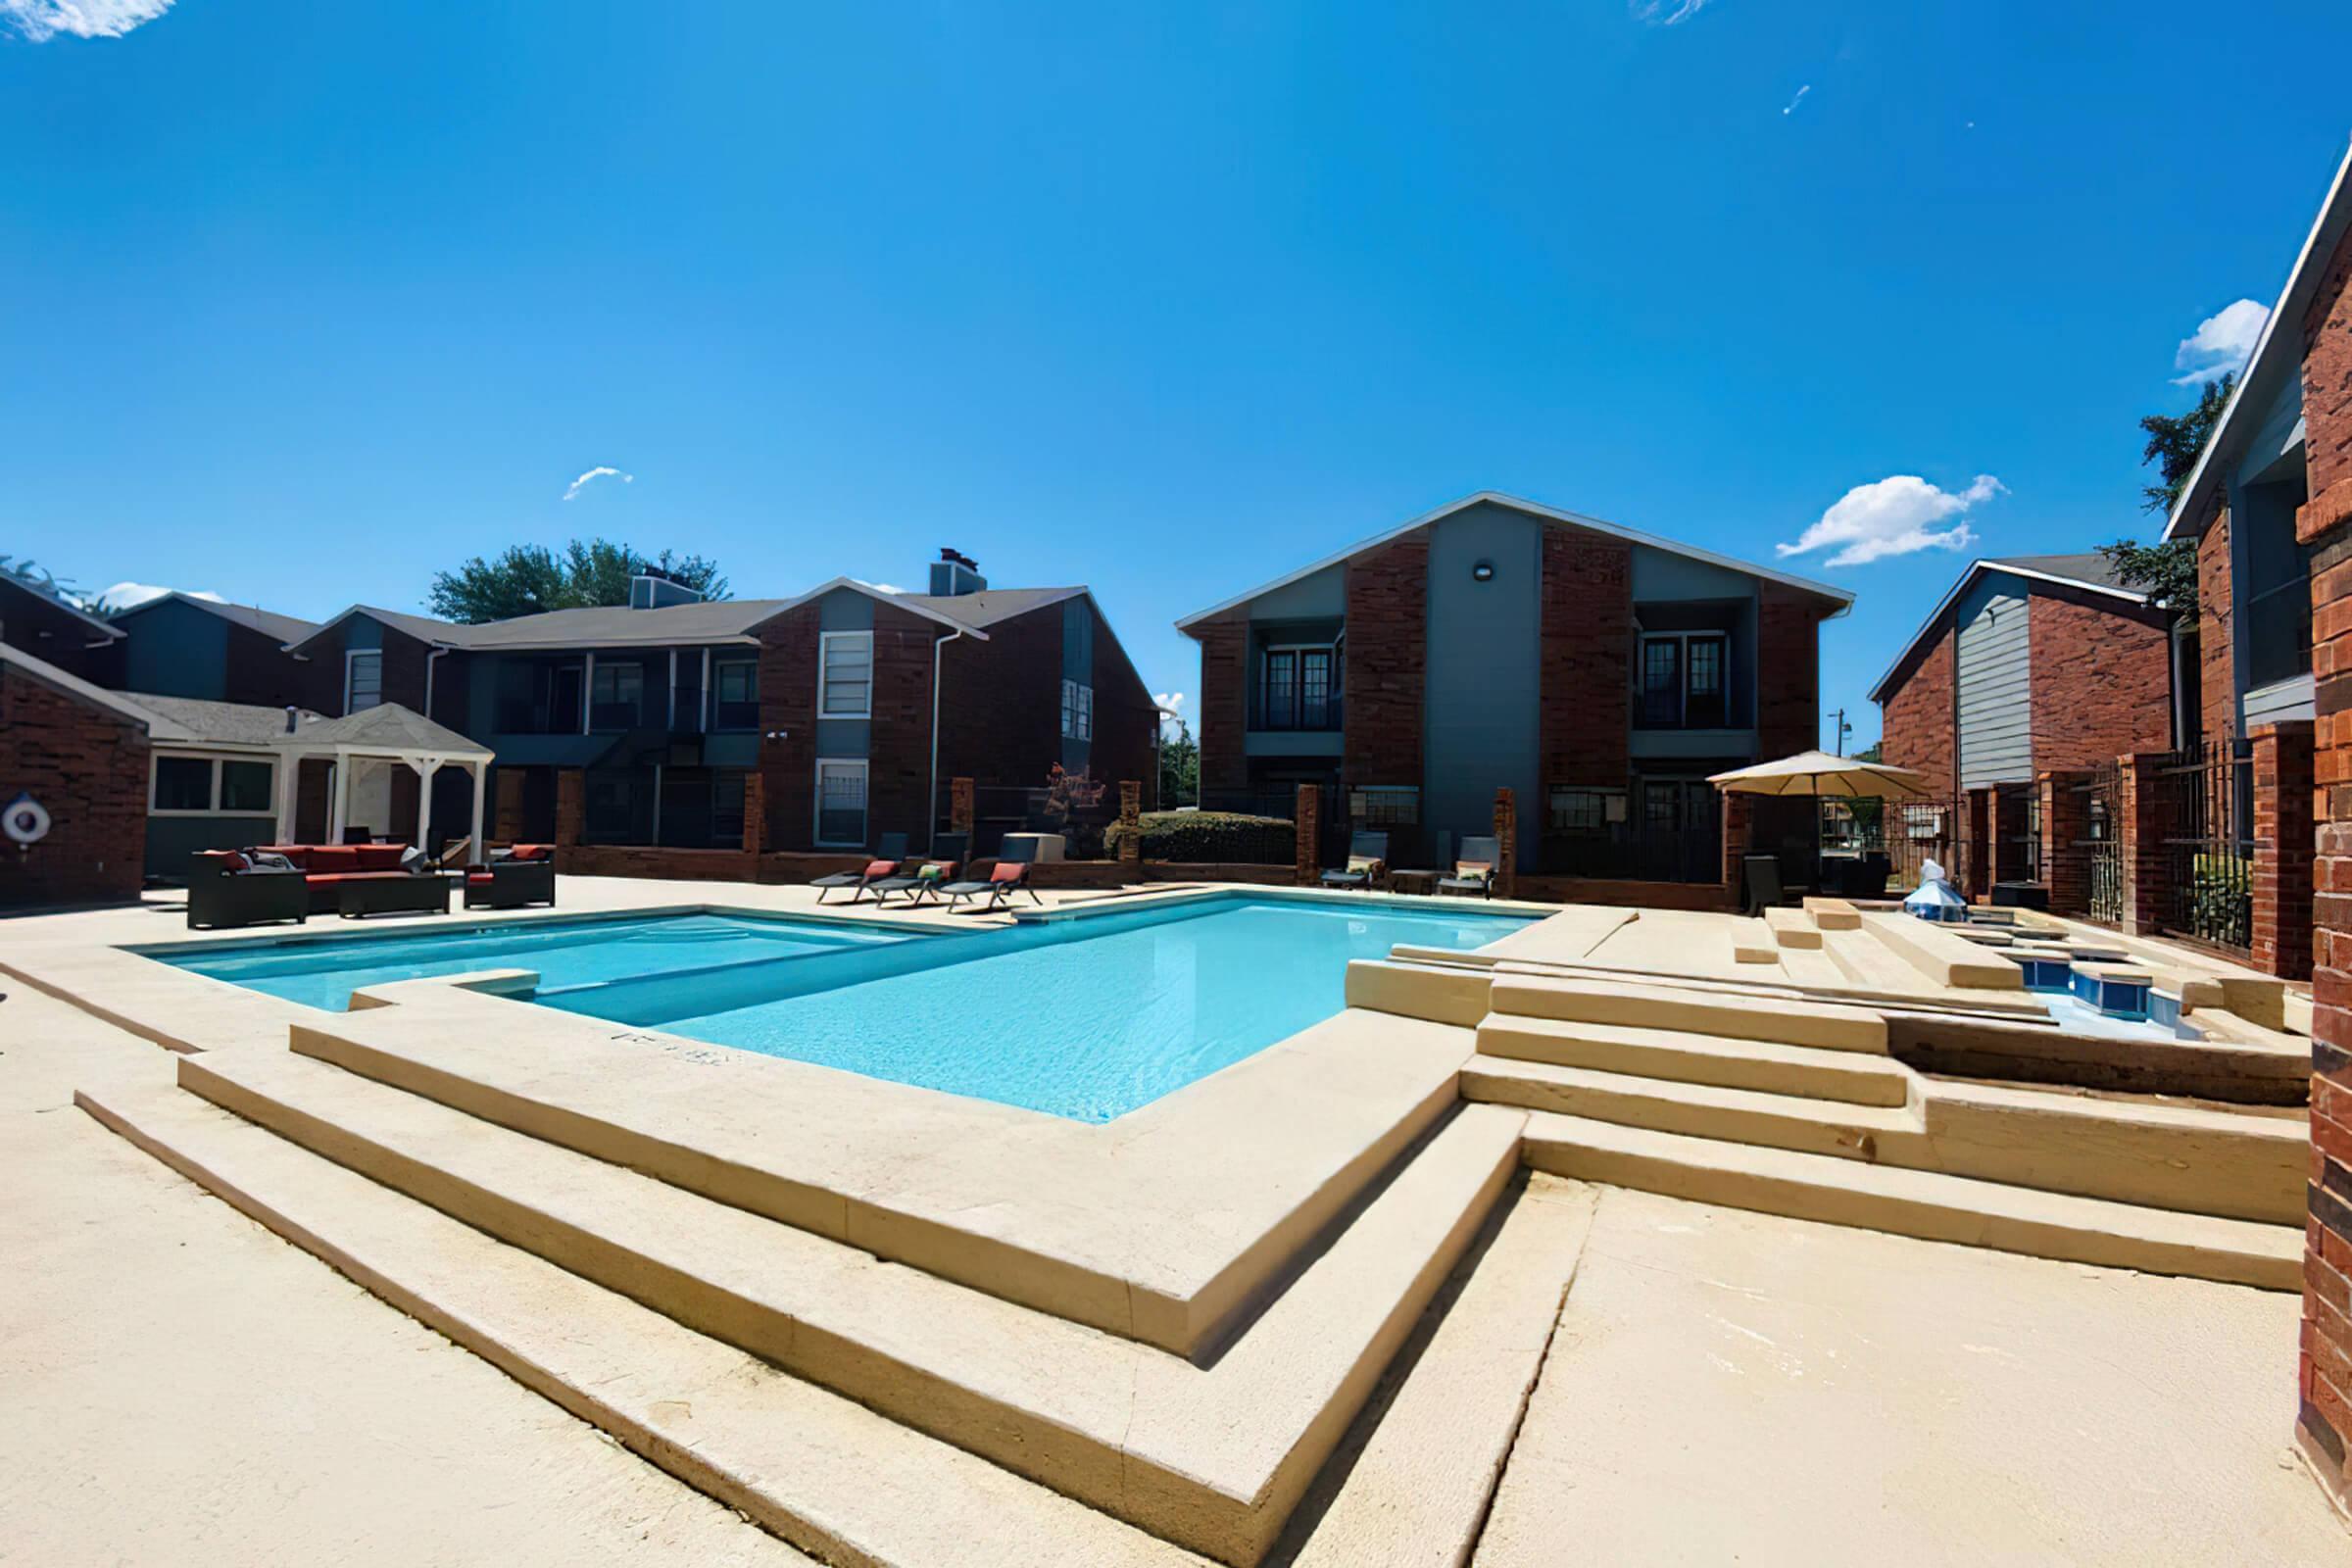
[564,952]
[1088,1017]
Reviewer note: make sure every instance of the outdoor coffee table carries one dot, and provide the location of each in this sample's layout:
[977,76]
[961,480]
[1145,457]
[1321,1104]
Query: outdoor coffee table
[1427,880]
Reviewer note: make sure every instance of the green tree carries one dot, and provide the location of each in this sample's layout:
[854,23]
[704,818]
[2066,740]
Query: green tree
[2177,440]
[1179,768]
[527,579]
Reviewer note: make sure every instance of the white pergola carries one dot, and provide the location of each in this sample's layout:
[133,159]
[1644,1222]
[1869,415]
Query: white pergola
[388,733]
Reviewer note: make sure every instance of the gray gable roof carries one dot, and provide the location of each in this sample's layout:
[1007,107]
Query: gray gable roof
[224,723]
[2090,571]
[387,726]
[2091,568]
[268,623]
[989,606]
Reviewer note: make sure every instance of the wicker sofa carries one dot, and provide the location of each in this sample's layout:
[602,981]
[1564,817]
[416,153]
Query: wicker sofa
[523,875]
[225,889]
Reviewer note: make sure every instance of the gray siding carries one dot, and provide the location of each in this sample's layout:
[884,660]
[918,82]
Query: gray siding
[1993,664]
[1481,697]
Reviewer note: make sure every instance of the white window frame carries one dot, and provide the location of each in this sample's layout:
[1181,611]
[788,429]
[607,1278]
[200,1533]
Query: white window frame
[825,642]
[213,795]
[1077,711]
[865,820]
[352,656]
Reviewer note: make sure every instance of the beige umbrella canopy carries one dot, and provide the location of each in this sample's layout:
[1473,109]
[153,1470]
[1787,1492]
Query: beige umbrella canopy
[1818,773]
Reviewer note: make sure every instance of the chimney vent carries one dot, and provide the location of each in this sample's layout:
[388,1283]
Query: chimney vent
[289,719]
[954,573]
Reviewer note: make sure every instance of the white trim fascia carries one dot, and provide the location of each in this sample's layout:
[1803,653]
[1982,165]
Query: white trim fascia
[1844,598]
[824,637]
[1960,587]
[2197,491]
[816,808]
[350,654]
[879,598]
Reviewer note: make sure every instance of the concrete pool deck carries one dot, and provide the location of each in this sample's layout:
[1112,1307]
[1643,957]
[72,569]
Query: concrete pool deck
[191,1389]
[1325,1272]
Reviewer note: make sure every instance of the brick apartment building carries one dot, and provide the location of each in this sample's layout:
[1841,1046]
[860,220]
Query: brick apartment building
[801,724]
[1598,672]
[81,754]
[2030,664]
[59,635]
[2269,504]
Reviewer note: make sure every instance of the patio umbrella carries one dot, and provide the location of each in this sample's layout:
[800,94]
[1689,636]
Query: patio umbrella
[1822,775]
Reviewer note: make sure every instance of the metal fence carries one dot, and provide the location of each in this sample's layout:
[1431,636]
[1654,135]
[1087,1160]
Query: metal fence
[1276,843]
[999,810]
[1909,833]
[2203,810]
[2101,843]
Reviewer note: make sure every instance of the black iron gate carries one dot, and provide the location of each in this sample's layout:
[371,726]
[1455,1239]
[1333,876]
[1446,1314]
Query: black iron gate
[2203,812]
[2101,845]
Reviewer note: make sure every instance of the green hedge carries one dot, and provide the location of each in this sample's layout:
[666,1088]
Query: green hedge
[1209,837]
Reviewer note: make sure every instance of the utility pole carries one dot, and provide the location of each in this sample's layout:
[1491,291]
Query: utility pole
[1843,730]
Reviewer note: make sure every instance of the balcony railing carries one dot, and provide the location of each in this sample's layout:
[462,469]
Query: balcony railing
[1277,713]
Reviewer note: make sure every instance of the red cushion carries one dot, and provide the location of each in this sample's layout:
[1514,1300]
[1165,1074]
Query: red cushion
[236,863]
[326,877]
[380,857]
[531,852]
[875,868]
[479,879]
[332,857]
[1010,872]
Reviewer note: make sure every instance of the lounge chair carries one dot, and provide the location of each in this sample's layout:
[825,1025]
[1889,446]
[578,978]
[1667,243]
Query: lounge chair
[522,876]
[226,889]
[1009,878]
[931,871]
[1367,863]
[888,850]
[1474,871]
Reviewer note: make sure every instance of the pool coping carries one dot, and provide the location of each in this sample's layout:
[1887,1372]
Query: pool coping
[1168,1224]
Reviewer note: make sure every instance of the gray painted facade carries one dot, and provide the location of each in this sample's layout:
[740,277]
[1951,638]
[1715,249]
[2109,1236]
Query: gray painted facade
[1481,701]
[176,650]
[1992,662]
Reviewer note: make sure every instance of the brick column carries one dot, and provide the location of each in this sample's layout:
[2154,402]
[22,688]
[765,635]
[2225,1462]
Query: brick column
[572,813]
[2143,830]
[754,823]
[959,806]
[2064,823]
[2324,1379]
[1978,838]
[1506,843]
[506,822]
[2282,848]
[1738,822]
[1306,818]
[1131,812]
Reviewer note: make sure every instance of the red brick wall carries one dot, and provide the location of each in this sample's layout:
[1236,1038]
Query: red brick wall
[55,635]
[1788,670]
[2323,1376]
[1125,717]
[88,767]
[2102,683]
[261,673]
[1586,653]
[1916,717]
[1224,704]
[2217,695]
[1387,662]
[788,705]
[897,774]
[999,720]
[2283,849]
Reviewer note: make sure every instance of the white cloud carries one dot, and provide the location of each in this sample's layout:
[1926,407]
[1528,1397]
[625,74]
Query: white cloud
[125,594]
[1172,702]
[879,587]
[1666,13]
[1894,516]
[1799,99]
[2221,343]
[1172,711]
[600,471]
[43,20]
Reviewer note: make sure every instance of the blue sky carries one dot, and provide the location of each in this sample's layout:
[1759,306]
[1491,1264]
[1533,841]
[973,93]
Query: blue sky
[306,301]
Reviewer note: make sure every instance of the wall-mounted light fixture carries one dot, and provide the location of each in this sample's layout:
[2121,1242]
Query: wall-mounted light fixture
[1483,571]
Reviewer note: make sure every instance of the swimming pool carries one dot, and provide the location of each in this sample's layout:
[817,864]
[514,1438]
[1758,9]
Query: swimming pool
[1087,1017]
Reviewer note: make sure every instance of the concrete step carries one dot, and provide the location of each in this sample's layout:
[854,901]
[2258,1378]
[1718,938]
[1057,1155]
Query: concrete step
[1793,928]
[1788,1022]
[1212,1457]
[833,1477]
[1696,1110]
[1411,1486]
[1922,1204]
[1803,1071]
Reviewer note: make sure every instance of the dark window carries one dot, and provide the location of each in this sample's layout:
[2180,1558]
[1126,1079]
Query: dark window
[726,810]
[1661,680]
[735,694]
[1298,689]
[840,803]
[617,700]
[615,805]
[364,687]
[183,783]
[1703,705]
[246,786]
[1281,706]
[1662,807]
[1582,810]
[1386,805]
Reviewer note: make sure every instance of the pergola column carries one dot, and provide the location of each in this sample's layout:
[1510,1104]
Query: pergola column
[481,781]
[424,767]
